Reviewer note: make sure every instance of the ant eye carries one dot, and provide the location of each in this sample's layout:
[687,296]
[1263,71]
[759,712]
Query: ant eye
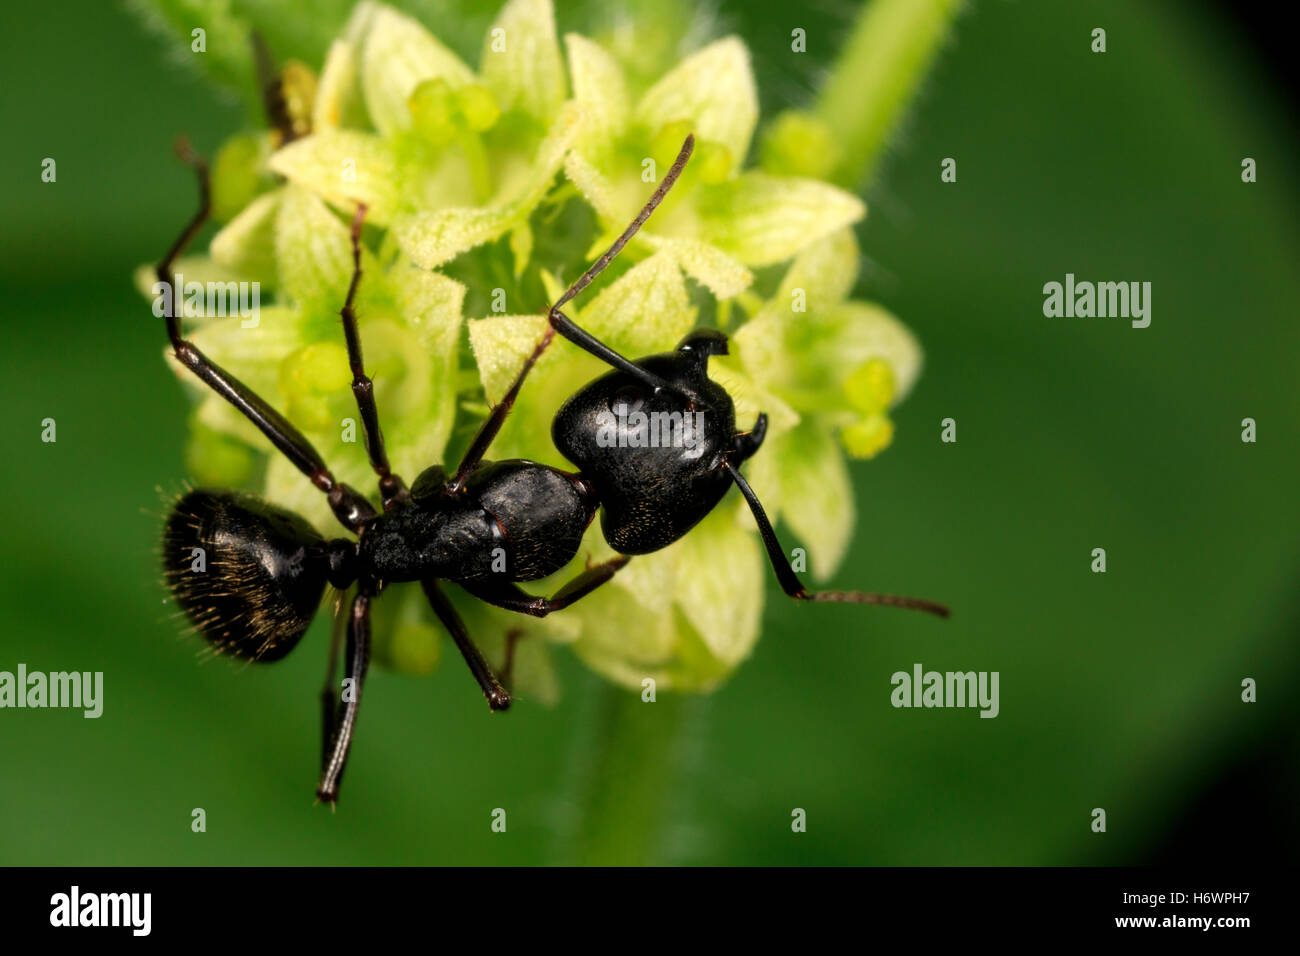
[632,396]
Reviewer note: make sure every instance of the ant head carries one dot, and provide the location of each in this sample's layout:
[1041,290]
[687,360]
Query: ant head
[654,455]
[249,575]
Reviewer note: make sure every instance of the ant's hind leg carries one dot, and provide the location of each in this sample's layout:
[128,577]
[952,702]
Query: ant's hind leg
[358,662]
[349,505]
[391,487]
[511,597]
[790,582]
[497,696]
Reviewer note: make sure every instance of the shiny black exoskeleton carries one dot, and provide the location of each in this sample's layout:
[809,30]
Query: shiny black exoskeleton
[654,442]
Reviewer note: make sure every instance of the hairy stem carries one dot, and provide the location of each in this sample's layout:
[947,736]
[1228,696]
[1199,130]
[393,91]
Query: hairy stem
[877,75]
[632,778]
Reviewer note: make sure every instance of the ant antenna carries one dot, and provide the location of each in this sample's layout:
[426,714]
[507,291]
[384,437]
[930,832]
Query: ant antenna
[597,267]
[559,322]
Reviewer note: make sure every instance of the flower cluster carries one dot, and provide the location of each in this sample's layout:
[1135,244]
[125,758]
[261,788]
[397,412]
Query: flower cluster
[486,190]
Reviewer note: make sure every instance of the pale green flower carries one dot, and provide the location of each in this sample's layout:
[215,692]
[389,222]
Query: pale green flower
[720,219]
[839,365]
[459,170]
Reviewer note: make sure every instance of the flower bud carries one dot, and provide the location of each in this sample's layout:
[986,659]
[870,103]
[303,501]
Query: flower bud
[799,144]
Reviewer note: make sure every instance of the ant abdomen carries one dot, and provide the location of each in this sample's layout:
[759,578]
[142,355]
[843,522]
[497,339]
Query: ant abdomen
[249,575]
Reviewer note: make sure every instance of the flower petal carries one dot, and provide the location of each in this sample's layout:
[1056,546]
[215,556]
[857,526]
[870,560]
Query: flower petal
[247,243]
[760,345]
[599,87]
[397,55]
[721,597]
[521,65]
[432,238]
[825,272]
[869,331]
[612,201]
[751,396]
[344,167]
[253,355]
[708,265]
[431,303]
[816,495]
[338,93]
[622,641]
[313,251]
[714,89]
[646,310]
[762,220]
[500,344]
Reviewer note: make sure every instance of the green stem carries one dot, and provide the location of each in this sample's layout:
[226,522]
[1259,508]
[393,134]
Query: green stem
[876,77]
[632,779]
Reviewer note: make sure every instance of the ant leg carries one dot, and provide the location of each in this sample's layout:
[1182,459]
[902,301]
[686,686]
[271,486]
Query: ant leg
[358,657]
[513,637]
[329,694]
[349,505]
[559,322]
[497,696]
[789,580]
[511,597]
[391,488]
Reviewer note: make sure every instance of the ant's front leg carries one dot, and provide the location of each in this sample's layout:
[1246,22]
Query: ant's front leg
[349,505]
[392,489]
[790,582]
[358,658]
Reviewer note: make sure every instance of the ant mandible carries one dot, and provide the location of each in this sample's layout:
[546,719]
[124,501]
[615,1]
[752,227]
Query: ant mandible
[267,567]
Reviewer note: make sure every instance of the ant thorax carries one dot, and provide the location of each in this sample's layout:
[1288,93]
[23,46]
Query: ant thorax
[514,521]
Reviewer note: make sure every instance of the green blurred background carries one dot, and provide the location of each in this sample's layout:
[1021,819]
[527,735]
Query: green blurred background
[1119,691]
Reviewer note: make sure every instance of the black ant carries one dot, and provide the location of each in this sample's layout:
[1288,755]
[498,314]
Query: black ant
[267,568]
